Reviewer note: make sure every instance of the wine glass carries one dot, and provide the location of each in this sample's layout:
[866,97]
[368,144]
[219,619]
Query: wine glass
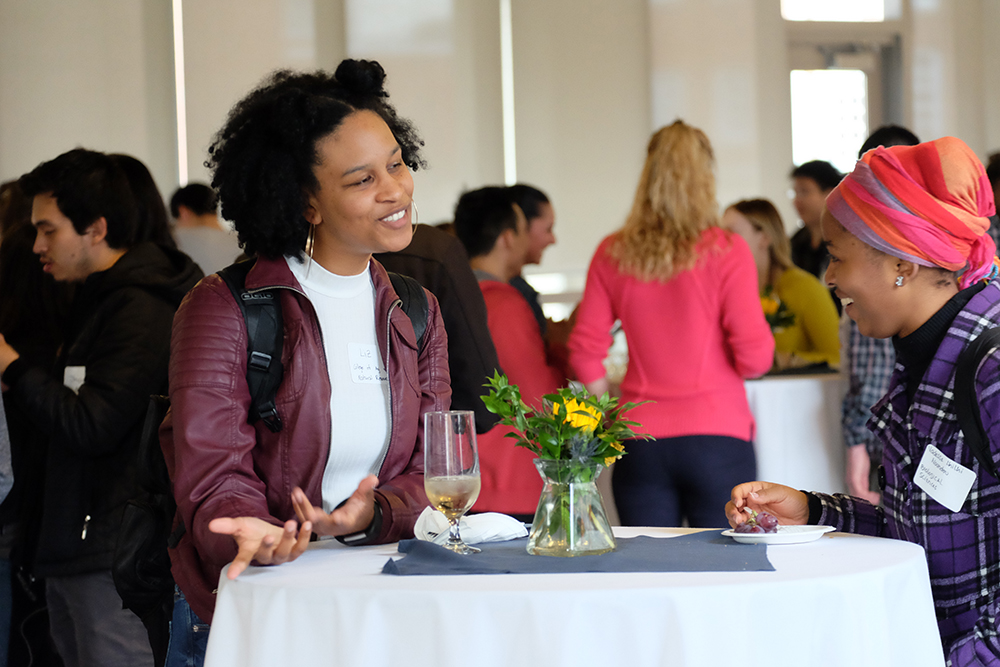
[451,469]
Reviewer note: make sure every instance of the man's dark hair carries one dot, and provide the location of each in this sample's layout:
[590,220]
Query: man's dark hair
[88,185]
[262,159]
[824,174]
[199,198]
[993,169]
[481,216]
[152,221]
[530,199]
[889,135]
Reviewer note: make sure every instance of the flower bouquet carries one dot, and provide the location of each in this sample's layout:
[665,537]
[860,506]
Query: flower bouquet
[574,435]
[777,314]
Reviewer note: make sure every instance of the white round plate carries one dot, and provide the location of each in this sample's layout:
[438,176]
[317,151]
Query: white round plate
[785,535]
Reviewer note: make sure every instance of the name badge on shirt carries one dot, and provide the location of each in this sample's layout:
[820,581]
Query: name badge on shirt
[366,363]
[944,480]
[74,376]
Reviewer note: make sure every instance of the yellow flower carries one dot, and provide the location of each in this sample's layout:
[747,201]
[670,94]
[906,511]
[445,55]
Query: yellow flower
[769,304]
[575,414]
[617,446]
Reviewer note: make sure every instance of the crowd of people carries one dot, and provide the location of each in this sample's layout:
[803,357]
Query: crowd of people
[105,302]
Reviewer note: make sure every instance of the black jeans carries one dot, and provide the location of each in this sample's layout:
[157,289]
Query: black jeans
[663,482]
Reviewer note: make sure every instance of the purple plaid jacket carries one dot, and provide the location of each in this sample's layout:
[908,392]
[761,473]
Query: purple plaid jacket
[963,548]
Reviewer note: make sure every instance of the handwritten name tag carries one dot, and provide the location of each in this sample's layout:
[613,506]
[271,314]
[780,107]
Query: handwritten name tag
[366,363]
[944,480]
[74,376]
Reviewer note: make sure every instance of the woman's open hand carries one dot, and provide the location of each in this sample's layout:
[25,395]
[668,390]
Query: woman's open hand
[353,516]
[258,540]
[789,506]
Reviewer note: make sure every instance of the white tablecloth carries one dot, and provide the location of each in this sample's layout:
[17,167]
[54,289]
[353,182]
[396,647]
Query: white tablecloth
[799,439]
[842,600]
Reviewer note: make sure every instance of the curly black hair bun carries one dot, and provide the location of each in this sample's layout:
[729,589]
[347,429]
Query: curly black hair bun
[364,77]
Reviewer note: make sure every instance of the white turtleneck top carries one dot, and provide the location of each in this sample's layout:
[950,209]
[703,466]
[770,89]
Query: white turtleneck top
[359,397]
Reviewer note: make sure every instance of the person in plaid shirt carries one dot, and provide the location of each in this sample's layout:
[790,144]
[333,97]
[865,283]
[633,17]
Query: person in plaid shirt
[912,260]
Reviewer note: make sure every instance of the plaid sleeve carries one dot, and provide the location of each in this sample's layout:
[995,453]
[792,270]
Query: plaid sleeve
[850,515]
[870,365]
[981,647]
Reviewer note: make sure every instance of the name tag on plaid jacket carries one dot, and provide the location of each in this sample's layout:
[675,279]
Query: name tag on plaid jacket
[944,480]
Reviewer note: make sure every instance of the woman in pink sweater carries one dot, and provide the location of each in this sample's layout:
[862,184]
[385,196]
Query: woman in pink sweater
[685,292]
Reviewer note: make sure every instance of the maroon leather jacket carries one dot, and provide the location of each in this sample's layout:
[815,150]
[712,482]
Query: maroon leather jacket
[223,467]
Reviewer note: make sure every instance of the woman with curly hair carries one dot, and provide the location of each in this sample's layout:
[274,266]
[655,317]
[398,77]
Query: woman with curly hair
[314,172]
[685,292]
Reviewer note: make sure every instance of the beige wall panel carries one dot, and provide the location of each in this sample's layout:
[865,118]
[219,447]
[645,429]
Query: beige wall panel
[92,73]
[581,81]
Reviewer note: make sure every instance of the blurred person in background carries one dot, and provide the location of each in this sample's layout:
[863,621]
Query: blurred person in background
[808,334]
[199,233]
[541,218]
[438,261]
[91,404]
[993,173]
[33,308]
[685,291]
[153,224]
[812,182]
[495,234]
[869,363]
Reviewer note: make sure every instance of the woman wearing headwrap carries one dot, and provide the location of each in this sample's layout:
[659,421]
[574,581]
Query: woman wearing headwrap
[911,259]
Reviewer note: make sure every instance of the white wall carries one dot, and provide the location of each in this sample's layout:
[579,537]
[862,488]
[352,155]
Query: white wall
[97,74]
[582,115]
[229,47]
[442,58]
[593,78]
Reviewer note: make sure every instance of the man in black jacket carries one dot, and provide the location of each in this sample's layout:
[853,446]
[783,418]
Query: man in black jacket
[114,355]
[437,260]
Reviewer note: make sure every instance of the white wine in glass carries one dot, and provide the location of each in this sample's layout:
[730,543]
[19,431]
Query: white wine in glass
[451,469]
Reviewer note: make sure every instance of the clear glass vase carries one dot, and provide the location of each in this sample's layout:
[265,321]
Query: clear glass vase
[570,519]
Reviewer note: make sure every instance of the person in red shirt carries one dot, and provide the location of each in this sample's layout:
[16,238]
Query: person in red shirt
[685,292]
[495,233]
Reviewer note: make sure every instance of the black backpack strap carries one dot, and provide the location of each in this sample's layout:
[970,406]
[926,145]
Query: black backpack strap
[967,409]
[262,313]
[152,469]
[414,299]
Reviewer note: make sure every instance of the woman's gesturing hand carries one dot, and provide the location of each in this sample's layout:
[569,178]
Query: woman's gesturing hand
[789,506]
[353,516]
[259,541]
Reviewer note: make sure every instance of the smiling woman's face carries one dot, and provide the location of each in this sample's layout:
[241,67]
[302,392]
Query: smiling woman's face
[864,280]
[362,205]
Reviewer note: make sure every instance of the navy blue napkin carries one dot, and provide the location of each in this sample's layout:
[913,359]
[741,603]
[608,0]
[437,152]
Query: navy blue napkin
[705,551]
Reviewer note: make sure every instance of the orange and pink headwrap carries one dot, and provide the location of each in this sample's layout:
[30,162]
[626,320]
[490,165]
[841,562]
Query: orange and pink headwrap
[928,204]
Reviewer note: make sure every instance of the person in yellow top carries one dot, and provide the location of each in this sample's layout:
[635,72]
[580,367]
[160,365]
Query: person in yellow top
[800,309]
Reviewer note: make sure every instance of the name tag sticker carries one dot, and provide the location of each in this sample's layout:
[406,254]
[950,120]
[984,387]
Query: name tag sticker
[74,376]
[944,480]
[366,364]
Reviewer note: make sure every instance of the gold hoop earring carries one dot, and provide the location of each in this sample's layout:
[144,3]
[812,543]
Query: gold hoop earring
[310,243]
[413,215]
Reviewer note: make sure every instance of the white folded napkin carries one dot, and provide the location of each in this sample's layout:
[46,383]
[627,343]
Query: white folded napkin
[432,526]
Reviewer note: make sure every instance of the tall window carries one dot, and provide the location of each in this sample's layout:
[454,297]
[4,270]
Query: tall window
[829,115]
[867,11]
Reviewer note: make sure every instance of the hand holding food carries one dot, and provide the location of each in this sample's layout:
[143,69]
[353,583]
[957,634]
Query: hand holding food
[759,522]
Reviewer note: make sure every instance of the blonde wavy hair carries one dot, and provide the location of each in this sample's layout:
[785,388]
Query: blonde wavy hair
[674,203]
